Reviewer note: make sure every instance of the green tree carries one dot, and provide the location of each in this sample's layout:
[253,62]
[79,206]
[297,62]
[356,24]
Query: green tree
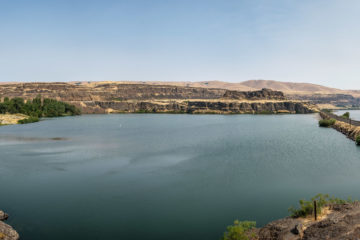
[37,108]
[239,231]
[346,115]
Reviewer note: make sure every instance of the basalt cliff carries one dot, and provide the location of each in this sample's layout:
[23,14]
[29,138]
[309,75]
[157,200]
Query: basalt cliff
[119,97]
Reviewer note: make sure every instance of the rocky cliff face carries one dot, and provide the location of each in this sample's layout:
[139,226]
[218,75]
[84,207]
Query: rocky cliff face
[191,106]
[265,93]
[125,97]
[106,91]
[338,100]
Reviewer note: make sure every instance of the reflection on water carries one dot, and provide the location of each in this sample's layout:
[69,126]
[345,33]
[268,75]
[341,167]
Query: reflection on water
[166,176]
[7,138]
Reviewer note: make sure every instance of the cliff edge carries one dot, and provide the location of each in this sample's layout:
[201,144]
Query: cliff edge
[117,97]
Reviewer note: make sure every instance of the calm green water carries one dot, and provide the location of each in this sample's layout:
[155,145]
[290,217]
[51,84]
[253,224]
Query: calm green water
[145,176]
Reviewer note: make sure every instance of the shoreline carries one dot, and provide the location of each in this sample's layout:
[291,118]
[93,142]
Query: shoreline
[6,231]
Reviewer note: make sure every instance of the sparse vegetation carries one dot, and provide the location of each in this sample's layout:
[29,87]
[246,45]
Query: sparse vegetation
[264,112]
[327,110]
[327,122]
[346,115]
[307,206]
[240,231]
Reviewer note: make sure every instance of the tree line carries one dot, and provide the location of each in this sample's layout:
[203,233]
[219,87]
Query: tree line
[37,108]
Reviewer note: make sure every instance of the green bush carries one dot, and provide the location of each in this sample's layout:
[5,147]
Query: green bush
[346,115]
[357,140]
[239,231]
[327,122]
[28,120]
[38,107]
[307,206]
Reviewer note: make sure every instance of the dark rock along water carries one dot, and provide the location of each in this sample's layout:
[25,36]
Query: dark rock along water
[159,176]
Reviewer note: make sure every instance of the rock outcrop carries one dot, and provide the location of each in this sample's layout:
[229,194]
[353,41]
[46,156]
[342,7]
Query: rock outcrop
[264,94]
[125,97]
[341,222]
[6,231]
[337,100]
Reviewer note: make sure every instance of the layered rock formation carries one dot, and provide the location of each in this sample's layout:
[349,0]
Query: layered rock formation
[6,231]
[125,97]
[265,93]
[332,100]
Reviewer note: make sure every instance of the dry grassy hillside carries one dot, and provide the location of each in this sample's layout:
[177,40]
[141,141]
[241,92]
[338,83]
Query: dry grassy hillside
[288,88]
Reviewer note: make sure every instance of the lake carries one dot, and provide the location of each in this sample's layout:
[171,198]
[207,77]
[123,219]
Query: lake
[166,176]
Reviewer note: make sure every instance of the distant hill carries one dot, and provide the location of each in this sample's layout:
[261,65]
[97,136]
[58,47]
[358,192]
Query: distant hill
[289,88]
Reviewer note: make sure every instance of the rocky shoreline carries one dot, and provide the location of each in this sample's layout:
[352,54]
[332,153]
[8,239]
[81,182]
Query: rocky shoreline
[343,126]
[6,231]
[339,222]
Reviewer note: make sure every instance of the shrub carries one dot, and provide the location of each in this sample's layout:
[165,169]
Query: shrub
[327,122]
[307,207]
[239,231]
[28,120]
[346,115]
[357,140]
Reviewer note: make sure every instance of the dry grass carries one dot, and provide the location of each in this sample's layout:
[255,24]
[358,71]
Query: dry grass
[2,235]
[345,127]
[9,119]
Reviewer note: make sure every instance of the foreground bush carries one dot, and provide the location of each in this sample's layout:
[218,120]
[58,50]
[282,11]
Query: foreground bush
[239,231]
[357,140]
[307,207]
[327,122]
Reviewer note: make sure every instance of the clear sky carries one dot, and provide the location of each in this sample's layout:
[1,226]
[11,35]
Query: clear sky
[314,41]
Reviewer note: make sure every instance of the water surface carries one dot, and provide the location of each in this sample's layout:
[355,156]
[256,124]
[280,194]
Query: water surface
[158,176]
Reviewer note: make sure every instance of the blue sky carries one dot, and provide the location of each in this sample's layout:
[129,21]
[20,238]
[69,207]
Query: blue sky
[181,40]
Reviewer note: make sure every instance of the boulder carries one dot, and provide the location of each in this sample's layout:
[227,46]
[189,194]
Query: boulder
[6,231]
